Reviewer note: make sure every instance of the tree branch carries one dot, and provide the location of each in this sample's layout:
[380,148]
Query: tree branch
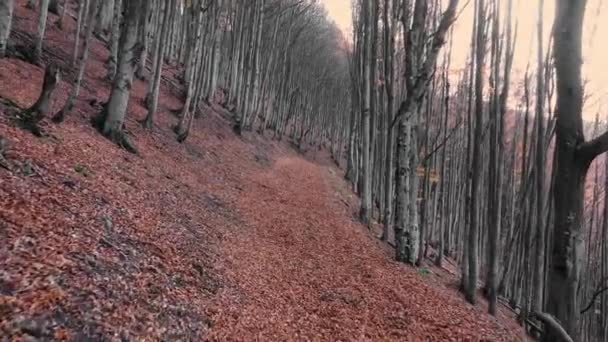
[552,324]
[443,142]
[595,295]
[427,69]
[595,147]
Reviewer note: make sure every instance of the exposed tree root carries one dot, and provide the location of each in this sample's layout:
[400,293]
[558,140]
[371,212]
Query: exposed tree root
[117,136]
[30,118]
[30,121]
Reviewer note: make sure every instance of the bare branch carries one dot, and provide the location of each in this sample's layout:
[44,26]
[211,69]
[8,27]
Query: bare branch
[426,71]
[551,323]
[595,295]
[442,143]
[595,147]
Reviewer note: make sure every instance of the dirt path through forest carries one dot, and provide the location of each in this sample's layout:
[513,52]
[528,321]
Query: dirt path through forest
[301,268]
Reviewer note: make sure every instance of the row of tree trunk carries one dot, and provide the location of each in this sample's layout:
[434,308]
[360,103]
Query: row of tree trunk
[258,58]
[466,173]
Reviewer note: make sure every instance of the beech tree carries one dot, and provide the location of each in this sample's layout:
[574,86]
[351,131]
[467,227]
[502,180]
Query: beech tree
[6,18]
[112,119]
[154,86]
[69,104]
[574,155]
[44,11]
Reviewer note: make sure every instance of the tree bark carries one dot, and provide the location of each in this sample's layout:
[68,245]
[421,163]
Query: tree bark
[366,193]
[116,108]
[155,89]
[61,14]
[69,105]
[573,160]
[6,18]
[32,116]
[44,11]
[114,39]
[473,231]
[144,36]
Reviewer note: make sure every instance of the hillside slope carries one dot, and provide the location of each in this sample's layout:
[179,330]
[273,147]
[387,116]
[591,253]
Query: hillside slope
[221,238]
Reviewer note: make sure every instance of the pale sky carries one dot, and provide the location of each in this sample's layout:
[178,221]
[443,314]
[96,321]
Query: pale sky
[595,47]
[340,12]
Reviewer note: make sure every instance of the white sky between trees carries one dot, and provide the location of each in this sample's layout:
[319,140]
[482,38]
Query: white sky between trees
[595,44]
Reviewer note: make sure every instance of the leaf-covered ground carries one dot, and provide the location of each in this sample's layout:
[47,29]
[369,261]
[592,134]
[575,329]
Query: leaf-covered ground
[221,238]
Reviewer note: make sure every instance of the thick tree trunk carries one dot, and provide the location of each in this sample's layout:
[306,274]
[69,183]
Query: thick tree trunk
[403,190]
[473,231]
[6,18]
[32,116]
[116,107]
[114,39]
[573,160]
[104,16]
[539,248]
[42,106]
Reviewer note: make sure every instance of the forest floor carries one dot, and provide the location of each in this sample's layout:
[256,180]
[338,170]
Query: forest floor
[220,238]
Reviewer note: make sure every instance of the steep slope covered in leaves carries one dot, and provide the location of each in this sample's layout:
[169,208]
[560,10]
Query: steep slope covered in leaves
[221,238]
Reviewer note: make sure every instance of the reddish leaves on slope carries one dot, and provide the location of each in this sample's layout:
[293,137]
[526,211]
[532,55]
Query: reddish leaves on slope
[303,269]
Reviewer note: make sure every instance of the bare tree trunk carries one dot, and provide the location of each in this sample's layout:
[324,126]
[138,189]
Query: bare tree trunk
[33,115]
[69,104]
[444,186]
[574,156]
[144,36]
[217,48]
[62,10]
[152,96]
[6,18]
[473,231]
[186,118]
[44,11]
[366,194]
[104,19]
[114,39]
[389,75]
[83,6]
[539,255]
[116,108]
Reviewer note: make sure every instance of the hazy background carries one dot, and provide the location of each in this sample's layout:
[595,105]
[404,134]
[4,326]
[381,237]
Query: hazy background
[595,44]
